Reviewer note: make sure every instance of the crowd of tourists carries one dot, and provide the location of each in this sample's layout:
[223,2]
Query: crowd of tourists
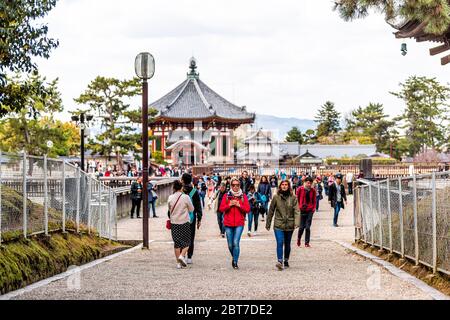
[290,201]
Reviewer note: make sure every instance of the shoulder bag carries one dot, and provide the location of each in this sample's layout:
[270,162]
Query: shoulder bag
[168,223]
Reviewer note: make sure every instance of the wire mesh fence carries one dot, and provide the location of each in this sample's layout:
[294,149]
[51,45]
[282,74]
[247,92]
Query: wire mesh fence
[41,195]
[409,216]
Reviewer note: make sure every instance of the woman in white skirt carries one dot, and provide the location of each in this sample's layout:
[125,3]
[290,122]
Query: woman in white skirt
[179,207]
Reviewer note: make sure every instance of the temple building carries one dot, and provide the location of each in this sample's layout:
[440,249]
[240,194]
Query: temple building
[195,125]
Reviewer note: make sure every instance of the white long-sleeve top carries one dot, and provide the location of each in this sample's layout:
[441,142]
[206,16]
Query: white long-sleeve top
[180,214]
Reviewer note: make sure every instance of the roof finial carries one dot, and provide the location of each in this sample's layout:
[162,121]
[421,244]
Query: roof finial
[192,65]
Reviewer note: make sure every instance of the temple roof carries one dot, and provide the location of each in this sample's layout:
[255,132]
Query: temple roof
[194,100]
[416,30]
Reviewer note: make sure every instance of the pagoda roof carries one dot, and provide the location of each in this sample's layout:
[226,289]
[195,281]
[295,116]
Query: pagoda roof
[415,29]
[194,100]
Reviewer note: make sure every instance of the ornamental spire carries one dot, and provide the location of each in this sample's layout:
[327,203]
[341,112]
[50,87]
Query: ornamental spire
[193,65]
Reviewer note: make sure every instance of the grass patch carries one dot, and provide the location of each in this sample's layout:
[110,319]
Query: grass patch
[439,281]
[26,261]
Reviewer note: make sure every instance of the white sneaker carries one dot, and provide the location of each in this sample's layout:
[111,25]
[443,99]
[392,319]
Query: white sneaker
[182,261]
[249,234]
[189,261]
[254,233]
[178,265]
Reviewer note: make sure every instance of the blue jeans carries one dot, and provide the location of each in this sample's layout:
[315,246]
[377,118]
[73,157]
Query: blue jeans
[317,203]
[253,217]
[283,243]
[152,205]
[220,222]
[233,238]
[337,209]
[202,198]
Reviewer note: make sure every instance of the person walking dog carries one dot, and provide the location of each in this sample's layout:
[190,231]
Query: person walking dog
[179,207]
[337,197]
[235,206]
[284,210]
[306,196]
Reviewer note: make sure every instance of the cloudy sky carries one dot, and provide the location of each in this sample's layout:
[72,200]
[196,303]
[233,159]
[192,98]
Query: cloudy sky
[284,57]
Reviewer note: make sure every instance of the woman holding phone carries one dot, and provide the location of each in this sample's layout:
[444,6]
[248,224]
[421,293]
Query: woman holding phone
[234,206]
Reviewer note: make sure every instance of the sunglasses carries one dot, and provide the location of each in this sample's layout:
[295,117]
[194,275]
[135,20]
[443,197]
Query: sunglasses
[235,184]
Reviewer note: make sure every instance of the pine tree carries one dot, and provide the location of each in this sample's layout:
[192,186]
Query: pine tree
[294,135]
[435,13]
[328,120]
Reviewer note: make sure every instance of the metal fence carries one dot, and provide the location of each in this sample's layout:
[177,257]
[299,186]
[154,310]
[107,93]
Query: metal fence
[41,195]
[409,216]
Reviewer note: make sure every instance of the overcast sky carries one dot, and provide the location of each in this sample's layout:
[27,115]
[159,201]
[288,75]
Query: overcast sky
[284,57]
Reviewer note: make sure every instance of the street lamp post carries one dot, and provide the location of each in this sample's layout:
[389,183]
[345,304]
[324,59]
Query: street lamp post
[81,119]
[144,66]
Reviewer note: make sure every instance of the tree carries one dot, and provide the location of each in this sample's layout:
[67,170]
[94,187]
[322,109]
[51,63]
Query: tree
[106,97]
[310,137]
[426,115]
[435,13]
[370,124]
[30,131]
[328,119]
[294,135]
[21,39]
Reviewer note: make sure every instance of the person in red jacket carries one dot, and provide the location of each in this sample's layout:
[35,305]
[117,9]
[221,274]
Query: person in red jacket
[306,196]
[234,206]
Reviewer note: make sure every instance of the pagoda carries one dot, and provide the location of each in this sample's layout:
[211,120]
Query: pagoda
[194,125]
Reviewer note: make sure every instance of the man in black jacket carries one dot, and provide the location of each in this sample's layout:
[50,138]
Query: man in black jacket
[136,197]
[245,181]
[186,179]
[337,197]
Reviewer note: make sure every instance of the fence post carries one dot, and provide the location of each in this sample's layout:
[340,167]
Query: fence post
[100,225]
[24,189]
[89,193]
[433,183]
[1,197]
[110,215]
[371,215]
[400,199]
[389,213]
[363,217]
[64,196]
[45,196]
[416,227]
[380,223]
[78,182]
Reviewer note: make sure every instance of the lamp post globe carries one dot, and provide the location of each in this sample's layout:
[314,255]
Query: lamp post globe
[144,66]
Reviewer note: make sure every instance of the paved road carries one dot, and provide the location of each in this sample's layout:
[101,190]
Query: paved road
[325,271]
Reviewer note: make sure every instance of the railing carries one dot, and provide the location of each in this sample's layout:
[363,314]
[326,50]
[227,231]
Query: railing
[409,216]
[379,171]
[164,188]
[40,195]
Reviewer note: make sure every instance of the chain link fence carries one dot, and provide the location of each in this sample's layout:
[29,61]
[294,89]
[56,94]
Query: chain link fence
[40,195]
[409,216]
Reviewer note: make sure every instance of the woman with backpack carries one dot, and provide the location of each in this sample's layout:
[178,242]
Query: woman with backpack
[180,205]
[265,192]
[234,206]
[284,210]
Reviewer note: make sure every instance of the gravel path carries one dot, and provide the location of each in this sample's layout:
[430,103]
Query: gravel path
[325,271]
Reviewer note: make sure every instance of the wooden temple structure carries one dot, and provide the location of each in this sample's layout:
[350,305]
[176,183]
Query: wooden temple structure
[194,124]
[416,30]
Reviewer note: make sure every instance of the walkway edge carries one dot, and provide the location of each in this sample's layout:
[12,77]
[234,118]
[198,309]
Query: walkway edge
[405,276]
[31,287]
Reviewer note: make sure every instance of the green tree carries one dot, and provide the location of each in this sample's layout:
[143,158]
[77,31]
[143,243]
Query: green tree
[370,124]
[309,137]
[426,115]
[435,13]
[21,39]
[328,120]
[294,135]
[107,99]
[26,130]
